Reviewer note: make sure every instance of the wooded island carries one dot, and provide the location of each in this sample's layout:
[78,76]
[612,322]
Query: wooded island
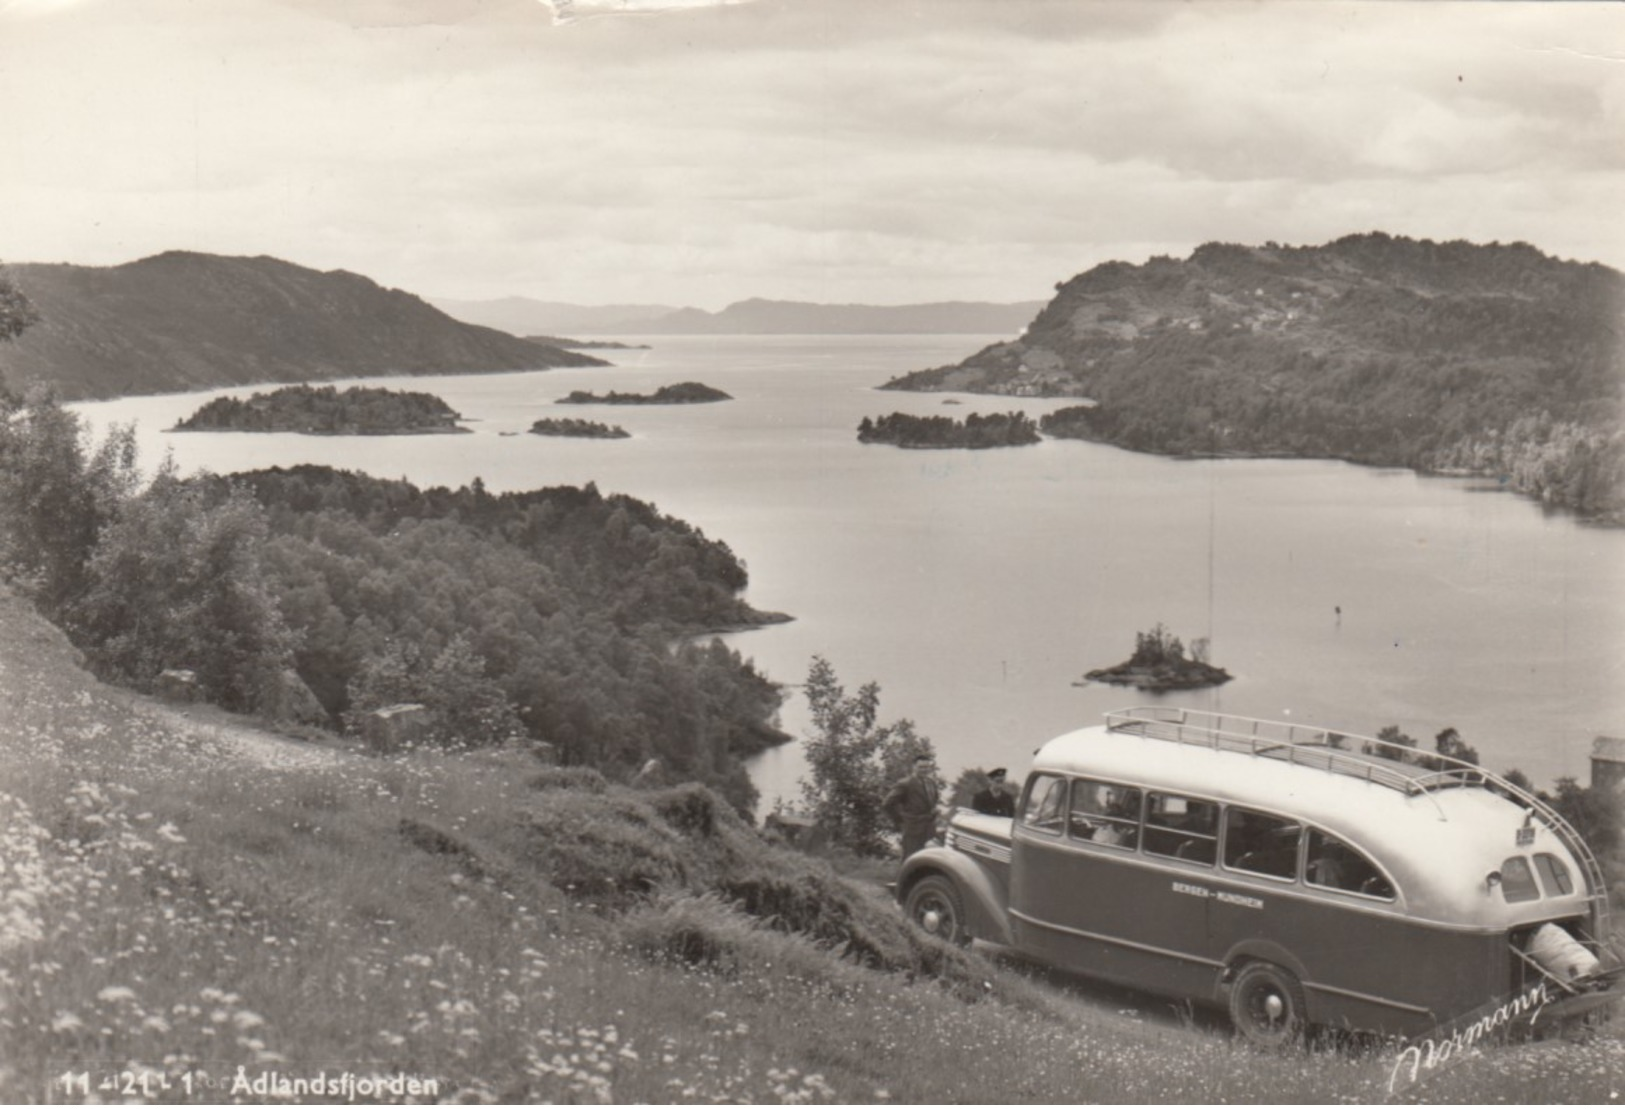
[578,429]
[999,429]
[326,410]
[686,392]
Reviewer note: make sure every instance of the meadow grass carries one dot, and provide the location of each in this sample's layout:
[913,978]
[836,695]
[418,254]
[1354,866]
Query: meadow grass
[187,899]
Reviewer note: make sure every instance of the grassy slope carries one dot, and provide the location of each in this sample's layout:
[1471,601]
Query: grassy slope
[182,893]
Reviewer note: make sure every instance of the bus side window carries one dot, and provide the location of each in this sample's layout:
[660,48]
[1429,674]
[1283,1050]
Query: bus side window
[1261,844]
[1554,875]
[1105,813]
[1046,804]
[1182,828]
[1333,864]
[1518,881]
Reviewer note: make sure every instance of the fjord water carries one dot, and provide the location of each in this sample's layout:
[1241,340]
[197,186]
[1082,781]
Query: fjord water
[977,587]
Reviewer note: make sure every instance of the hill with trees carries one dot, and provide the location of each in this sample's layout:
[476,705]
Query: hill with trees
[325,410]
[559,616]
[1442,357]
[181,320]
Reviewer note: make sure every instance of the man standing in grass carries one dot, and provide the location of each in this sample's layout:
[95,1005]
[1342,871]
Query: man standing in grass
[912,805]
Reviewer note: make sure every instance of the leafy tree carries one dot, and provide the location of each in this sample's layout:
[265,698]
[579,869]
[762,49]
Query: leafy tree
[466,707]
[1595,814]
[1157,647]
[853,760]
[1392,739]
[1449,743]
[57,493]
[1520,779]
[17,312]
[178,582]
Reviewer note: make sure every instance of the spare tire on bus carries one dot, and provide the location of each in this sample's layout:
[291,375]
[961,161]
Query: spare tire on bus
[934,905]
[1267,1006]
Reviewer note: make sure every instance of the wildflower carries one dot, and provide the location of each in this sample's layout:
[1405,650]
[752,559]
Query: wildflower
[66,1022]
[116,993]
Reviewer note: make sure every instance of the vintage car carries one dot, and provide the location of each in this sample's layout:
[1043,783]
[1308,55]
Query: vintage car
[1295,875]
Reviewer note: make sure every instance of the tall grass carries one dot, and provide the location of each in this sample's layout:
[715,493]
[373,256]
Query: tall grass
[186,902]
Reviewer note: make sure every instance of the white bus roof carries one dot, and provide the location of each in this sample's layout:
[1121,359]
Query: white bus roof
[1439,841]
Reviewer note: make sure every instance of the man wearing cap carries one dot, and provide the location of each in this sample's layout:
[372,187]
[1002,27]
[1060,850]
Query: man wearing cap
[995,800]
[912,805]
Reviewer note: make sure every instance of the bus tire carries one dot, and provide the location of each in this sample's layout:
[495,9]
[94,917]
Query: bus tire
[1267,1005]
[935,907]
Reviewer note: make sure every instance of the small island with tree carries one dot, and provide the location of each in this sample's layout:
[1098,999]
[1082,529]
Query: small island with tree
[1160,664]
[685,392]
[999,429]
[578,429]
[327,410]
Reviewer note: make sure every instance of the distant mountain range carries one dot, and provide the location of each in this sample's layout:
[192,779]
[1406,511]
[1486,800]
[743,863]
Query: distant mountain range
[181,320]
[523,316]
[1444,357]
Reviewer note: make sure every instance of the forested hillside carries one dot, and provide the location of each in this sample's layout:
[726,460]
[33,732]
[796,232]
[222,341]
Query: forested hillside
[1443,357]
[318,596]
[181,320]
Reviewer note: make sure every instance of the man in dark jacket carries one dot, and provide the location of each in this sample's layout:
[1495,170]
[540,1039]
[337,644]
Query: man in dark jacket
[996,799]
[912,805]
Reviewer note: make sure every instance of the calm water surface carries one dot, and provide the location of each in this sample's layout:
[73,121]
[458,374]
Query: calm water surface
[977,587]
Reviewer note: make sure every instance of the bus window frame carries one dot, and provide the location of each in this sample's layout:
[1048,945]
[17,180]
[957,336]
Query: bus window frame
[1074,782]
[1146,827]
[1382,871]
[1508,883]
[1298,877]
[1547,864]
[1065,781]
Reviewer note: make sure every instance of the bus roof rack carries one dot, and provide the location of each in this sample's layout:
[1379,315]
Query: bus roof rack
[1378,761]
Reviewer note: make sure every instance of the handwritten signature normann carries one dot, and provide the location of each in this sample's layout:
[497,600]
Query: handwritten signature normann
[1444,1047]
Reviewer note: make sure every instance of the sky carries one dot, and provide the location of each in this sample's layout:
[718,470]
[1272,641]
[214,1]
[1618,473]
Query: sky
[698,152]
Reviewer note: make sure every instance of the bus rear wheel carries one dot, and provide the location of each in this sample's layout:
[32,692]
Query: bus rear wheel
[1266,1005]
[934,905]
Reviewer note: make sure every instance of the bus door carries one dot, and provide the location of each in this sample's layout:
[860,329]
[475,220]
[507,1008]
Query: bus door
[1180,846]
[1040,874]
[1260,845]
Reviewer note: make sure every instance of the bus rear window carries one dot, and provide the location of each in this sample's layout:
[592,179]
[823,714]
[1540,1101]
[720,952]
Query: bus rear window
[1518,881]
[1554,876]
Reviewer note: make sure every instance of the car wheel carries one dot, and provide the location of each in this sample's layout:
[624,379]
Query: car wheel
[1266,1005]
[934,905]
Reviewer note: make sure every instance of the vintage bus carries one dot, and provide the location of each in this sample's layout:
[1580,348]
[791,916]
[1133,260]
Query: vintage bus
[1295,875]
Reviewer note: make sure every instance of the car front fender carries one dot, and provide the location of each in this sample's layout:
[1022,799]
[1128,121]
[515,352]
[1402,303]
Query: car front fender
[984,900]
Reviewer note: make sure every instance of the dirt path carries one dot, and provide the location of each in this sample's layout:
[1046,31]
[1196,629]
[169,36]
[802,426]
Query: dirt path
[237,737]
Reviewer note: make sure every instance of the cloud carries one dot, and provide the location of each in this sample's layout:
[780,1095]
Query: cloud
[855,150]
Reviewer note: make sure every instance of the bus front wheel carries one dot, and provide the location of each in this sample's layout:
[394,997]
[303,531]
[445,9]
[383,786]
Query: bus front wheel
[935,906]
[1266,1005]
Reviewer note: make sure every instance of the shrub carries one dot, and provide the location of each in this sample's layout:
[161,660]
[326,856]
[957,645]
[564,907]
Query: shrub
[613,849]
[583,778]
